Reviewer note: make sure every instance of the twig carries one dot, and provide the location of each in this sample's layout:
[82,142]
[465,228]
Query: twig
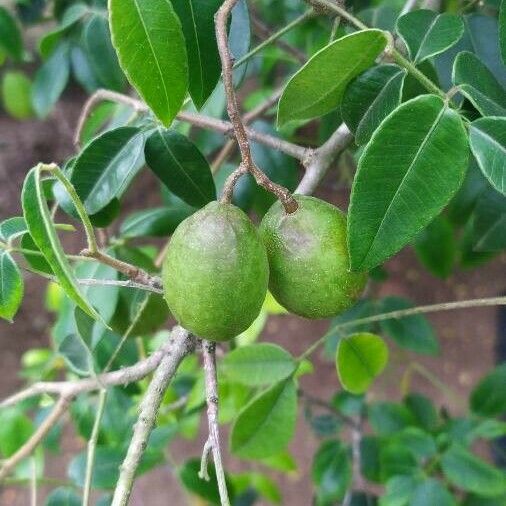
[148,411]
[70,389]
[195,119]
[213,441]
[27,449]
[356,457]
[221,22]
[248,118]
[136,274]
[403,313]
[273,37]
[92,446]
[319,161]
[33,481]
[228,187]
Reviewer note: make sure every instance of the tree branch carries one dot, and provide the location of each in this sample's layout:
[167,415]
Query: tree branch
[319,161]
[123,376]
[148,412]
[213,441]
[195,119]
[221,20]
[58,411]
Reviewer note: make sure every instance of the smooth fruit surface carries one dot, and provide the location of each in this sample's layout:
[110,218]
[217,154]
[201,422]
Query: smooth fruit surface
[308,259]
[216,272]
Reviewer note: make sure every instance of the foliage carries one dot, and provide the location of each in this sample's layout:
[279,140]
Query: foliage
[423,95]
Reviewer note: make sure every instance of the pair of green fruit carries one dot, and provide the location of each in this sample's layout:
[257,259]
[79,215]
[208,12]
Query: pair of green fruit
[218,266]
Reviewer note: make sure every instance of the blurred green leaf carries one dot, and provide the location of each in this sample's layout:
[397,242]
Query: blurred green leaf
[51,79]
[331,471]
[467,472]
[101,54]
[10,35]
[16,95]
[388,418]
[412,332]
[63,496]
[489,223]
[15,430]
[436,247]
[488,398]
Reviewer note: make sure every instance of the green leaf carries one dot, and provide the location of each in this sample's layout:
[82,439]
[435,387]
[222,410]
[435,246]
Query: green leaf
[16,95]
[51,79]
[489,223]
[388,418]
[418,442]
[360,360]
[34,256]
[15,430]
[180,166]
[76,354]
[387,212]
[396,459]
[427,33]
[318,87]
[411,332]
[105,470]
[265,425]
[258,364]
[487,137]
[151,48]
[63,496]
[101,54]
[106,166]
[11,286]
[70,18]
[434,492]
[502,30]
[467,472]
[10,35]
[370,98]
[42,230]
[399,490]
[477,83]
[155,222]
[331,472]
[12,228]
[197,20]
[488,398]
[436,247]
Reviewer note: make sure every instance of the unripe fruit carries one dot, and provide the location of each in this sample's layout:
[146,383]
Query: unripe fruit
[216,272]
[308,259]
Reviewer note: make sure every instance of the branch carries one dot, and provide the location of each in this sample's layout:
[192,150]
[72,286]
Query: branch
[320,160]
[123,376]
[149,407]
[221,22]
[213,441]
[403,313]
[195,119]
[273,37]
[136,274]
[58,411]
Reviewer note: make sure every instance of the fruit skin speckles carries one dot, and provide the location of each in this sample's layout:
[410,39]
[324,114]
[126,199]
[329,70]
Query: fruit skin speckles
[308,259]
[215,273]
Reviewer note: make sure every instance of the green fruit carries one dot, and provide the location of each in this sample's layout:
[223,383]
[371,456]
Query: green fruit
[216,272]
[308,259]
